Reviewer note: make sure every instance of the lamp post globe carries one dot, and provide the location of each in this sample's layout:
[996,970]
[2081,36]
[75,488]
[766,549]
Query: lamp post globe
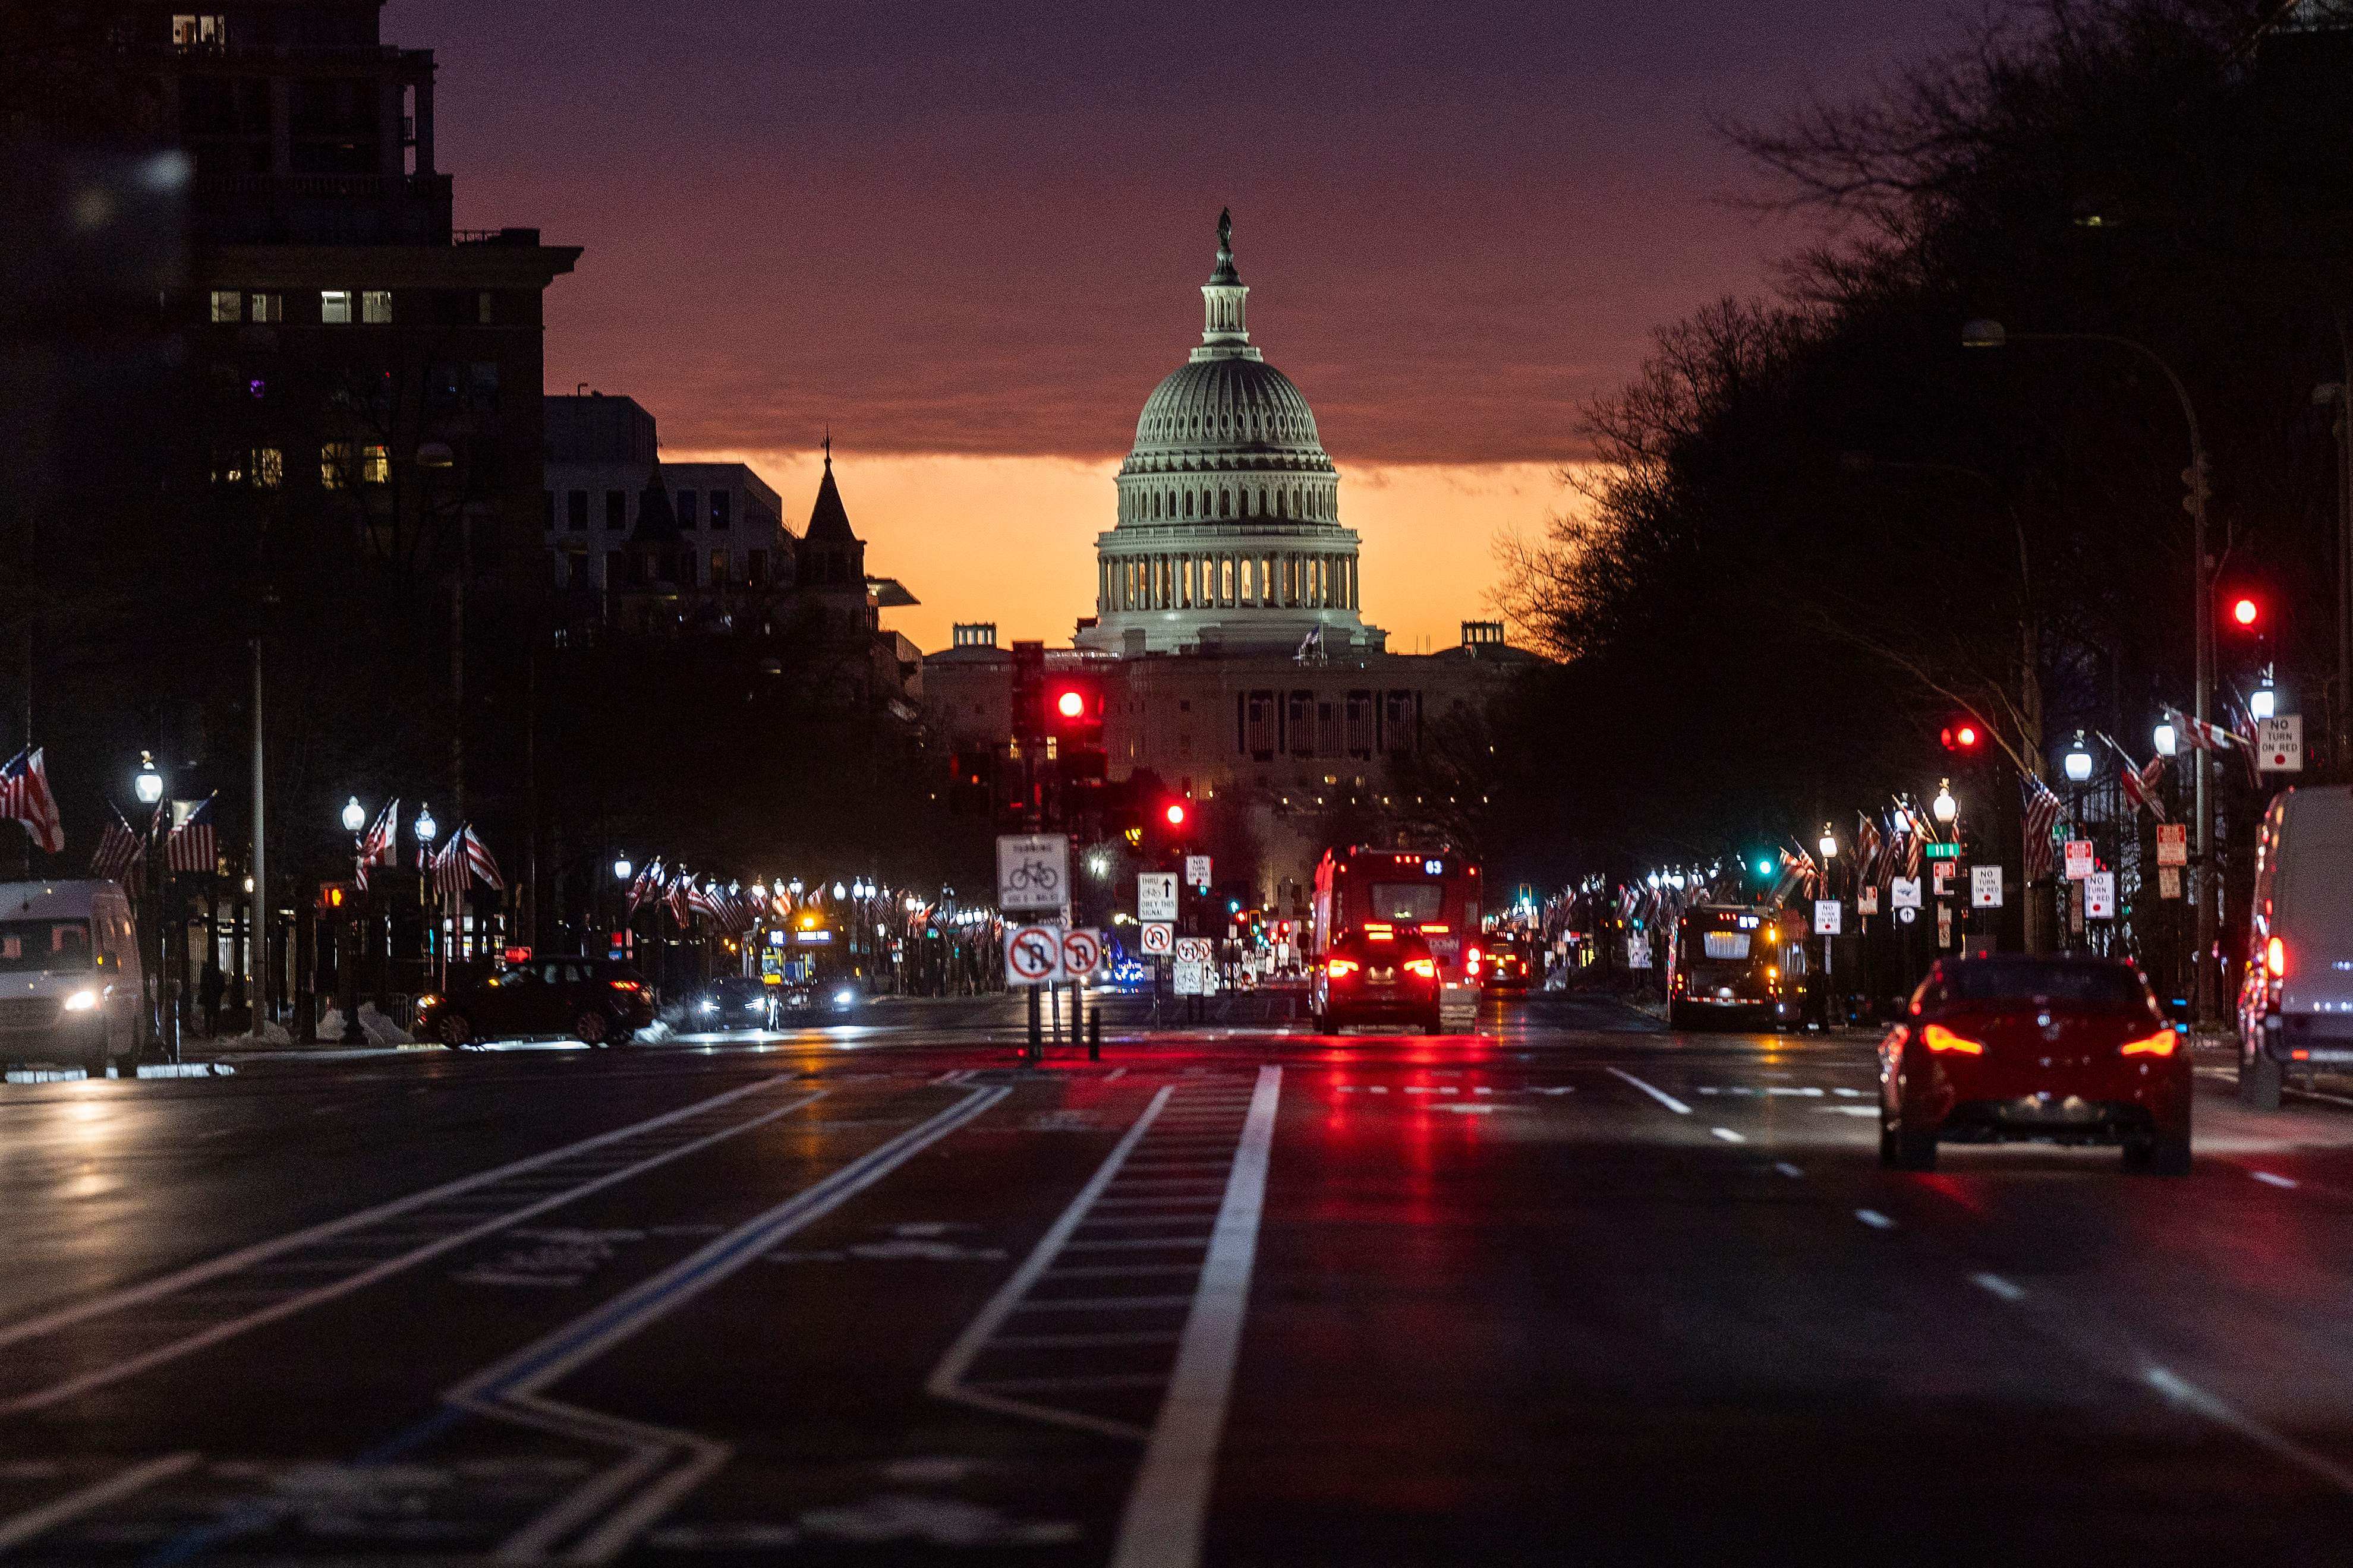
[840,892]
[1826,844]
[148,784]
[1945,805]
[622,867]
[2078,760]
[354,816]
[2167,742]
[2264,701]
[426,828]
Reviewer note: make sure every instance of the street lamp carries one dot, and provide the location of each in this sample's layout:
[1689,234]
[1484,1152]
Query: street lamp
[1826,844]
[1988,334]
[149,785]
[347,962]
[426,828]
[355,815]
[840,892]
[2078,761]
[621,868]
[2168,742]
[1945,805]
[2264,701]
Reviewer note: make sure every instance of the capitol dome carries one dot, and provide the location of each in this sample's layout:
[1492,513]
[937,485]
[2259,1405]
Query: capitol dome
[1229,532]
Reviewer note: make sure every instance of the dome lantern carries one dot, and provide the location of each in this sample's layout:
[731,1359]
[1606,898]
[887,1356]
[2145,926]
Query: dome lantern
[1224,332]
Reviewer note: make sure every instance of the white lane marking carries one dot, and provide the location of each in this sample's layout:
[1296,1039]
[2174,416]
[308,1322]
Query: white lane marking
[1378,1089]
[1727,1134]
[23,1526]
[1480,1088]
[948,1380]
[1787,1169]
[2274,1180]
[1114,1075]
[1998,1286]
[1468,1107]
[2189,1396]
[493,1220]
[1662,1095]
[511,1388]
[1848,1093]
[1161,1525]
[1874,1219]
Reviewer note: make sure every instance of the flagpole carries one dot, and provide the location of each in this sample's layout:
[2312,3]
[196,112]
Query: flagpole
[258,939]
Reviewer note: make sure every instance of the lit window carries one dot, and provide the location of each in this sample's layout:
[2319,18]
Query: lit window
[375,465]
[199,32]
[376,307]
[335,465]
[229,305]
[268,468]
[268,306]
[335,307]
[718,567]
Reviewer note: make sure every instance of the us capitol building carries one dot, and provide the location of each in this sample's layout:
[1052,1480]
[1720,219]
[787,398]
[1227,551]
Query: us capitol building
[1229,631]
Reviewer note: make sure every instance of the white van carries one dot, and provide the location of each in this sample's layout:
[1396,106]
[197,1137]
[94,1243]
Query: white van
[70,974]
[2296,1006]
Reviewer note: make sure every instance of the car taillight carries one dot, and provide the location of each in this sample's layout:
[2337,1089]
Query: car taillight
[2276,958]
[1937,1037]
[1341,968]
[1425,967]
[2160,1044]
[630,985]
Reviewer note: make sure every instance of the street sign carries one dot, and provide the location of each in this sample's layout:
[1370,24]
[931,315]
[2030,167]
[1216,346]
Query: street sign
[1033,872]
[1197,872]
[1033,955]
[2100,896]
[2080,856]
[2169,882]
[1941,874]
[2279,745]
[1903,893]
[1985,887]
[1195,980]
[1944,851]
[2173,844]
[1829,914]
[1158,938]
[1866,902]
[1944,925]
[1907,913]
[1193,949]
[1156,896]
[1083,950]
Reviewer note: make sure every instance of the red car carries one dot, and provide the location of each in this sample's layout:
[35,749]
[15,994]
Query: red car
[2013,1049]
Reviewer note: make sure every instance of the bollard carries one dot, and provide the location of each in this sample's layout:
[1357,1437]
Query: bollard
[1094,1034]
[1037,1047]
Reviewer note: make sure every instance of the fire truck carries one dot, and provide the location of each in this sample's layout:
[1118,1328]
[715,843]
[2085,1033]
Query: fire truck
[1433,891]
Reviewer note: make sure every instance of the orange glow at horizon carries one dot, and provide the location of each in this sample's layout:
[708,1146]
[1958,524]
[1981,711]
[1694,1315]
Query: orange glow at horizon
[1011,538]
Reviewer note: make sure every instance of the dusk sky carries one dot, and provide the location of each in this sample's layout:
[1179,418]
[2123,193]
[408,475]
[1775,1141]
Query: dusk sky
[969,238]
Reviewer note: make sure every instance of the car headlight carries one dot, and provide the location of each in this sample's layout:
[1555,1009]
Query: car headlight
[707,1006]
[756,1007]
[844,997]
[81,1001]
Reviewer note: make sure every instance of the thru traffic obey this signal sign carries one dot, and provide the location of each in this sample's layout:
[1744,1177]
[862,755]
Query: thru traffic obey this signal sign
[1033,955]
[1156,897]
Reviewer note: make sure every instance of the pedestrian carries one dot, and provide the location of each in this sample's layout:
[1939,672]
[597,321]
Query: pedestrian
[210,988]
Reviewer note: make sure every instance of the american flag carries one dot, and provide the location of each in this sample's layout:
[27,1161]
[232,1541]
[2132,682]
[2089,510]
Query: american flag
[479,860]
[119,849]
[2041,810]
[450,867]
[648,879]
[2201,736]
[2141,785]
[682,899]
[24,797]
[192,846]
[1915,846]
[1867,845]
[382,845]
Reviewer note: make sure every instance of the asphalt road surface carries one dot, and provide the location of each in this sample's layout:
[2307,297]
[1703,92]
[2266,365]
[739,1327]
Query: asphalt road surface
[1575,1290]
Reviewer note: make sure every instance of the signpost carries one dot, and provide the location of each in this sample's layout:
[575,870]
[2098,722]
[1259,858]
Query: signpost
[1866,902]
[1194,980]
[2100,896]
[1157,939]
[2279,745]
[1155,897]
[1944,851]
[2080,858]
[1033,955]
[1193,949]
[2169,882]
[1903,893]
[1985,887]
[1828,917]
[1033,872]
[1197,872]
[2173,844]
[1083,950]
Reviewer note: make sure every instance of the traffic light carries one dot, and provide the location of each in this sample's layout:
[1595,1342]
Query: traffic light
[1174,813]
[1963,737]
[2245,612]
[1074,721]
[1028,692]
[334,897]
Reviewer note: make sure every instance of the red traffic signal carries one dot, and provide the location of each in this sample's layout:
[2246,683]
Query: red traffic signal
[1175,814]
[1072,704]
[2245,612]
[1962,736]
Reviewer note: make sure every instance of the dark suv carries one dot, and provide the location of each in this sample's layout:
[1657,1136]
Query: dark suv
[1378,977]
[593,1000]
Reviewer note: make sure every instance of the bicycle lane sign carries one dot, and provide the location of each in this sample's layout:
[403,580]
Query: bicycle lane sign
[1033,955]
[1033,872]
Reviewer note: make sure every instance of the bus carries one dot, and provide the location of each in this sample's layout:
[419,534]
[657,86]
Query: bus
[1736,962]
[1433,891]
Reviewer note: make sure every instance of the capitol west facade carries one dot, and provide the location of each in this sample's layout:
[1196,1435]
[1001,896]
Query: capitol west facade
[1229,630]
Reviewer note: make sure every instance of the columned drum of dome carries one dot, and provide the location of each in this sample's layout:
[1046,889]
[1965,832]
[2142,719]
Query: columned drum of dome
[1228,532]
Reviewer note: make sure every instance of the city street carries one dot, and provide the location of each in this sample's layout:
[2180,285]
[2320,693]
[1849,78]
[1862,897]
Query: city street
[1578,1290]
